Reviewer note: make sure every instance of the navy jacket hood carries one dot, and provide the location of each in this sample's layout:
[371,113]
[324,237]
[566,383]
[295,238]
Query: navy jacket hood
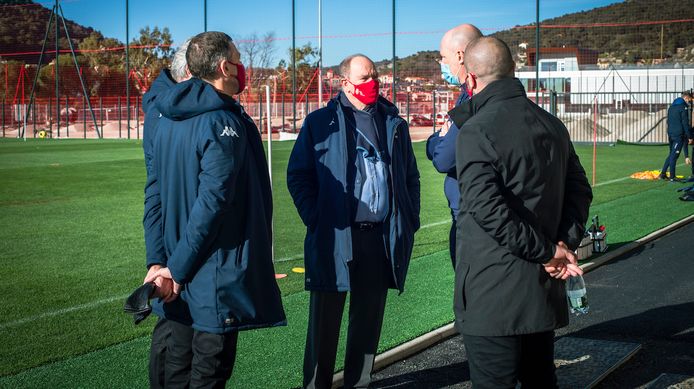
[160,85]
[192,98]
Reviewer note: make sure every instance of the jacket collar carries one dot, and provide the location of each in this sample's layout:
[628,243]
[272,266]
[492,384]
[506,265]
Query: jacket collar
[503,89]
[385,106]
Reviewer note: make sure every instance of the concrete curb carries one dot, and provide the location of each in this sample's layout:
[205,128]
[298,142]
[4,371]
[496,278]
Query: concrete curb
[422,342]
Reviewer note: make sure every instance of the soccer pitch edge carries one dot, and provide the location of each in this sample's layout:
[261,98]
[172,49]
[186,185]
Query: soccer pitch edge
[285,259]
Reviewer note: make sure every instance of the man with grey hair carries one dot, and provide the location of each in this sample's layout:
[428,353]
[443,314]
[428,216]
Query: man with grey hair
[215,220]
[441,144]
[155,253]
[353,177]
[524,201]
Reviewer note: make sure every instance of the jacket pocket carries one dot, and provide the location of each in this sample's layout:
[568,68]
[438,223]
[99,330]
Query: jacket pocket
[462,270]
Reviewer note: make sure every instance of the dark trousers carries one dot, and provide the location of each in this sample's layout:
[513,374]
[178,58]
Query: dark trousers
[181,357]
[370,275]
[451,242]
[502,361]
[676,145]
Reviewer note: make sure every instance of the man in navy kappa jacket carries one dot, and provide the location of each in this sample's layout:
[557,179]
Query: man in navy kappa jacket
[441,144]
[353,177]
[216,209]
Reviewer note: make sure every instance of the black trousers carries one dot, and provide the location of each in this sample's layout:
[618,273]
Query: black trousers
[503,361]
[370,276]
[182,357]
[451,242]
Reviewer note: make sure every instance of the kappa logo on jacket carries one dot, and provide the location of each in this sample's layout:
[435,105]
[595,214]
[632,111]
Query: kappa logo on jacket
[228,131]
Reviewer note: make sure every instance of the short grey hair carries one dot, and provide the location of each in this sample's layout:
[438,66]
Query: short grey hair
[346,64]
[179,63]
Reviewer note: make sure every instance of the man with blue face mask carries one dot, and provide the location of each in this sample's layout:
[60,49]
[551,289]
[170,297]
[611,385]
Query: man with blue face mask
[441,144]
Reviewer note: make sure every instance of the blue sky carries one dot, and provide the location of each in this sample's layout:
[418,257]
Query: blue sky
[349,26]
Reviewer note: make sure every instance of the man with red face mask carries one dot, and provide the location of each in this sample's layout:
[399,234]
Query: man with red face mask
[353,177]
[215,219]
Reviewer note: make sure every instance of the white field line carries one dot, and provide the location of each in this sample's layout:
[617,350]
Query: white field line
[285,259]
[60,312]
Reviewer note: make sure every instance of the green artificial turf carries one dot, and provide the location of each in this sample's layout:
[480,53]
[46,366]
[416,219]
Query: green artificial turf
[72,248]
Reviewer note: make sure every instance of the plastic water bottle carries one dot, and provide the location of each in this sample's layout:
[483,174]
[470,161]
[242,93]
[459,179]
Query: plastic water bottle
[576,293]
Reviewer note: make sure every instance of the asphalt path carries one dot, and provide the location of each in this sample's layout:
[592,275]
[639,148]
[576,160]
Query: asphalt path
[645,296]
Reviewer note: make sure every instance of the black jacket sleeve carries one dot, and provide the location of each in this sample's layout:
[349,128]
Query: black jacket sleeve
[482,199]
[577,198]
[413,184]
[302,181]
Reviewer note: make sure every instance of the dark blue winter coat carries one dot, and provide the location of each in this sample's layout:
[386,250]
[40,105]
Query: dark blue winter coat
[319,183]
[441,152]
[678,119]
[216,209]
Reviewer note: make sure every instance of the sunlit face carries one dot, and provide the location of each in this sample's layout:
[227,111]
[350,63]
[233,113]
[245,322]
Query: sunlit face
[230,72]
[454,59]
[361,70]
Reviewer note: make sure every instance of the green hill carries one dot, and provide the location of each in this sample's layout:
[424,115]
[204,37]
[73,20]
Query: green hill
[22,28]
[629,43]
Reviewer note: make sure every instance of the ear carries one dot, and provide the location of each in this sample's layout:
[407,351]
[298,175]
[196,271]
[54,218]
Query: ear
[344,83]
[459,55]
[225,67]
[471,81]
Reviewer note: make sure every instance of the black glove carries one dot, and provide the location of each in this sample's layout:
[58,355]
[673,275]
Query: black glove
[137,303]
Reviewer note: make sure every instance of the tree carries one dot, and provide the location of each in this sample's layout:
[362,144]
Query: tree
[306,63]
[257,54]
[100,53]
[150,53]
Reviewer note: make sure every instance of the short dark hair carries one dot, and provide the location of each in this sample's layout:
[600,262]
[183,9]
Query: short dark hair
[205,51]
[489,58]
[688,94]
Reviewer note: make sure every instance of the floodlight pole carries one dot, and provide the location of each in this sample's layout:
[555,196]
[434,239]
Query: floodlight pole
[54,12]
[205,14]
[57,68]
[394,96]
[537,52]
[294,64]
[320,55]
[269,159]
[127,66]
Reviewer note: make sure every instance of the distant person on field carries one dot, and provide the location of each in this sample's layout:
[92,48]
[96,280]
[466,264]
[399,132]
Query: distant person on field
[353,177]
[215,216]
[524,201]
[679,132]
[441,144]
[154,243]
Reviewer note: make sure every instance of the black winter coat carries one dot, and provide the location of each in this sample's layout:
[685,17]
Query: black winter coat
[523,190]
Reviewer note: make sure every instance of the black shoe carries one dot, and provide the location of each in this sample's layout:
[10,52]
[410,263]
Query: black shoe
[691,178]
[676,180]
[662,176]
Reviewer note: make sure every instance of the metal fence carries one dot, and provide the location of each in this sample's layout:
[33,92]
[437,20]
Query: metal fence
[599,95]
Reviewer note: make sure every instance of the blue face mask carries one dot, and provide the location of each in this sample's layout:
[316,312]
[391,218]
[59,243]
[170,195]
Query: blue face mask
[448,76]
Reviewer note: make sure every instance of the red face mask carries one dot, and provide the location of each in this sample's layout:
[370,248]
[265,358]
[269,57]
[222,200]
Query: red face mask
[366,92]
[240,76]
